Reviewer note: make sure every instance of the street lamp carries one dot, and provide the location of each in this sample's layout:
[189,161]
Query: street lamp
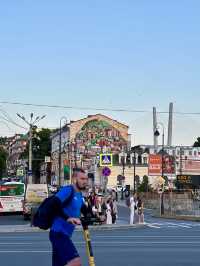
[32,125]
[60,145]
[157,133]
[134,165]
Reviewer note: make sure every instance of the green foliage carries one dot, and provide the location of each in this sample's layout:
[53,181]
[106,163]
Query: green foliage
[166,180]
[3,140]
[144,186]
[3,157]
[197,142]
[41,146]
[115,159]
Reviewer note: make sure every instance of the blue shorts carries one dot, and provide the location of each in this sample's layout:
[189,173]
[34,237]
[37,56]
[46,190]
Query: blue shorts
[63,249]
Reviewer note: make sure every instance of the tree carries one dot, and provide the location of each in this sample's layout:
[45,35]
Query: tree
[41,146]
[145,186]
[3,140]
[3,158]
[197,142]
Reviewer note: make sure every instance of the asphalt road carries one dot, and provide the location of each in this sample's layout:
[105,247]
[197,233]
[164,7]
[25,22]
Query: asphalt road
[161,242]
[12,219]
[152,246]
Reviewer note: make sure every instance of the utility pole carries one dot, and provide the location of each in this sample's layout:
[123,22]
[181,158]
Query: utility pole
[60,149]
[31,123]
[134,149]
[157,133]
[134,164]
[30,149]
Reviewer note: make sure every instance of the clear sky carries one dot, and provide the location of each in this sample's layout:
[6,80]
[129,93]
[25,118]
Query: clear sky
[130,54]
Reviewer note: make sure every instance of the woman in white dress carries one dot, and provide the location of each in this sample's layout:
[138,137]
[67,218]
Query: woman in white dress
[108,213]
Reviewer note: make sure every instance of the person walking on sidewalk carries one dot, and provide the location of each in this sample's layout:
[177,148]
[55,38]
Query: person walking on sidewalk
[114,211]
[132,208]
[64,251]
[108,212]
[140,207]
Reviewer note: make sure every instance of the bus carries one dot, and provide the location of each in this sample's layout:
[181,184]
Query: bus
[11,197]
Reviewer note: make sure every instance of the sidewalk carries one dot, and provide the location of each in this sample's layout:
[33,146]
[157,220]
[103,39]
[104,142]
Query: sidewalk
[28,229]
[122,203]
[179,217]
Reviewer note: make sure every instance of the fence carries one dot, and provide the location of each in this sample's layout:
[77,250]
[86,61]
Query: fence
[175,203]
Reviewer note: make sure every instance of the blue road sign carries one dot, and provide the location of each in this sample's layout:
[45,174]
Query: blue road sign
[106,171]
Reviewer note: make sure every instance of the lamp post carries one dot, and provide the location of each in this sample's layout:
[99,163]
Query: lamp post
[31,123]
[157,133]
[134,165]
[60,146]
[123,161]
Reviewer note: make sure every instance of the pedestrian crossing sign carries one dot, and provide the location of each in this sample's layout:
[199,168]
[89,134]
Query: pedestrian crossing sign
[106,159]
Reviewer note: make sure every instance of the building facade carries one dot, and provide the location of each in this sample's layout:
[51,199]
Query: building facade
[16,145]
[83,140]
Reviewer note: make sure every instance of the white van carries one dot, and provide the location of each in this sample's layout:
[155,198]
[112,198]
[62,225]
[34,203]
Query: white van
[34,196]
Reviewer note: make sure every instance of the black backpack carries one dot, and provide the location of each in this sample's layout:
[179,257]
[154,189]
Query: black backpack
[49,209]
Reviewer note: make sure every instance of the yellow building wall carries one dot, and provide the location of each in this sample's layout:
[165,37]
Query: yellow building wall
[129,174]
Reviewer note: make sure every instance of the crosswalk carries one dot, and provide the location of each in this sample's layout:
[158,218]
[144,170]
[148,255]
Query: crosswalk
[177,225]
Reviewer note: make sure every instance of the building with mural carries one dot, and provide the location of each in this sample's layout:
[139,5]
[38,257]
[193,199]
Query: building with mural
[83,140]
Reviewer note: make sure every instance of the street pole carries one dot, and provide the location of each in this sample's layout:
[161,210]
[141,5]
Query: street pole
[123,172]
[134,164]
[31,125]
[30,155]
[60,150]
[156,133]
[59,157]
[162,195]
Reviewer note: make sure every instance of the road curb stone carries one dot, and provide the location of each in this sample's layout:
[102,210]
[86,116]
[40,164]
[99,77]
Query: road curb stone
[29,229]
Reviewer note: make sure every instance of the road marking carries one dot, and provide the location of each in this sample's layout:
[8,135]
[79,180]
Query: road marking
[179,225]
[149,236]
[153,226]
[16,243]
[25,251]
[120,243]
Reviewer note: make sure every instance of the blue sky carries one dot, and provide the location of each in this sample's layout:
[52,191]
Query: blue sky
[127,54]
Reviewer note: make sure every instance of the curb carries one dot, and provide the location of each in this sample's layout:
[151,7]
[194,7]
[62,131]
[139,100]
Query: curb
[180,217]
[29,229]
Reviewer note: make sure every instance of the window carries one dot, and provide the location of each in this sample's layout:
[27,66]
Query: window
[190,153]
[145,160]
[195,153]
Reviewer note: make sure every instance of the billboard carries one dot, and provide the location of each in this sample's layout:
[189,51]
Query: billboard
[12,189]
[155,165]
[188,180]
[168,165]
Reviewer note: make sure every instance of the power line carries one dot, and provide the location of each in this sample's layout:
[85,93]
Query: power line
[12,122]
[76,107]
[95,109]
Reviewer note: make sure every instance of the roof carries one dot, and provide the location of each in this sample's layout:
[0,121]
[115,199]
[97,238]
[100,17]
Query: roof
[90,116]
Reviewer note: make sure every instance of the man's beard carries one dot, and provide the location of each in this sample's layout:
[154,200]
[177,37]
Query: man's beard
[80,188]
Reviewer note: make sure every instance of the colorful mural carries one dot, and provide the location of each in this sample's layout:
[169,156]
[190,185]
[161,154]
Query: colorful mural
[98,135]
